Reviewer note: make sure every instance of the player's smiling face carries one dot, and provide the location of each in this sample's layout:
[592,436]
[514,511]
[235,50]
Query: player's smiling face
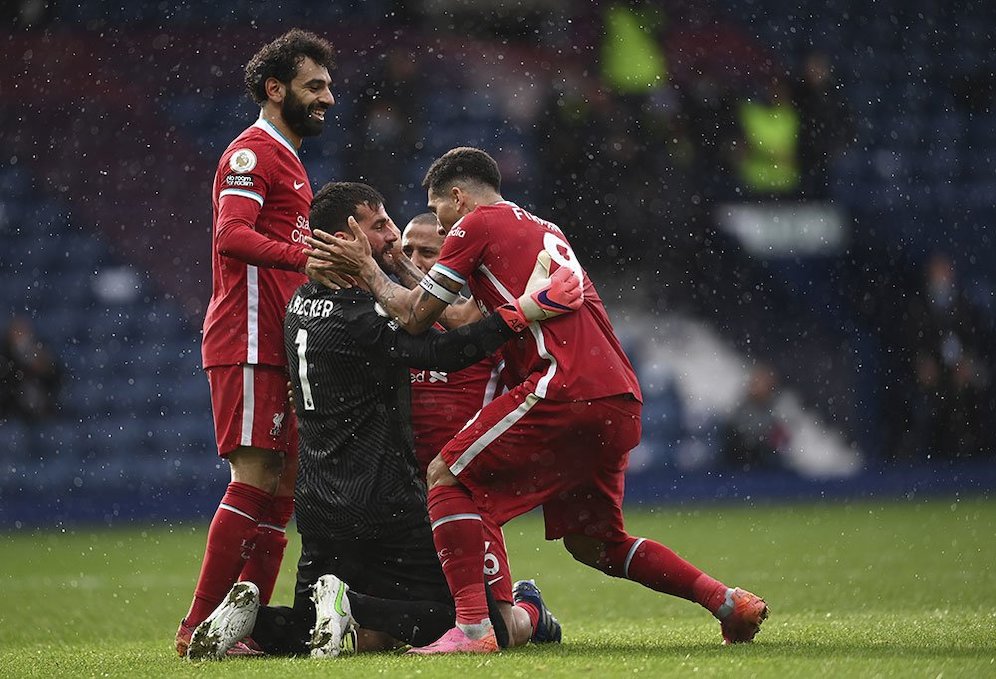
[307,99]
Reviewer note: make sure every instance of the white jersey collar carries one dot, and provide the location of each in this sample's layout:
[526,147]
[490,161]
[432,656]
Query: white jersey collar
[271,129]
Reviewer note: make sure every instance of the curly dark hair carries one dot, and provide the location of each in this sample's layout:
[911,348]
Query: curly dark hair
[336,202]
[281,58]
[463,162]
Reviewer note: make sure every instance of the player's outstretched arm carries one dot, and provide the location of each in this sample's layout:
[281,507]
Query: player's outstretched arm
[458,313]
[434,350]
[415,310]
[546,297]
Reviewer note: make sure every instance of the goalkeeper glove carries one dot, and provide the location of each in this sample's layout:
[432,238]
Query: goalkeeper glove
[545,297]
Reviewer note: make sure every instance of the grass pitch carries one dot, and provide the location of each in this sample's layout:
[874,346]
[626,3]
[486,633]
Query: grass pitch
[870,589]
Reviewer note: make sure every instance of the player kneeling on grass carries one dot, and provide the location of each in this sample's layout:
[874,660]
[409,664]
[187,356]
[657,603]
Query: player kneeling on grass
[442,404]
[360,501]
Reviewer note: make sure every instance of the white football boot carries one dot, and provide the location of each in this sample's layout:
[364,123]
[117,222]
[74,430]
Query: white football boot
[227,625]
[335,628]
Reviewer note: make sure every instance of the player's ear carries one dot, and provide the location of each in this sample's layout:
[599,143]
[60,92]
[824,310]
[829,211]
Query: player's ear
[275,90]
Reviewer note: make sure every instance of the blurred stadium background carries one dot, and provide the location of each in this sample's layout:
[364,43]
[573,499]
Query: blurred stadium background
[801,266]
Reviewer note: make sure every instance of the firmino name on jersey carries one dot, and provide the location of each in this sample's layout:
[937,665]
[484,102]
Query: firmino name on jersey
[313,308]
[521,214]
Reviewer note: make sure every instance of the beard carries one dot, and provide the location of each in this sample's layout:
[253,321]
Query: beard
[385,258]
[298,116]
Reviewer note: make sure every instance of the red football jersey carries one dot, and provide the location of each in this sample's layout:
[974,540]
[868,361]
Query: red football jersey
[576,356]
[261,199]
[442,403]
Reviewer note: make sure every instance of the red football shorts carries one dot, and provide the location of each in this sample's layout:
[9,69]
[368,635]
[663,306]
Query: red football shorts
[251,408]
[522,452]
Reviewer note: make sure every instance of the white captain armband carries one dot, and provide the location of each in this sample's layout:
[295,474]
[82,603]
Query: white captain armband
[437,290]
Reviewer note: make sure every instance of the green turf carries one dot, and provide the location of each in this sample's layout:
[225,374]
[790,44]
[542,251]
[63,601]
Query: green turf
[870,589]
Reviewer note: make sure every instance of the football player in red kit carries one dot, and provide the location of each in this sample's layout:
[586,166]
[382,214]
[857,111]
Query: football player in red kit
[560,438]
[442,403]
[260,200]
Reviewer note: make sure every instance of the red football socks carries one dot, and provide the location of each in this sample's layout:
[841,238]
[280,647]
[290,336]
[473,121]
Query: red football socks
[655,566]
[263,565]
[456,531]
[229,544]
[709,592]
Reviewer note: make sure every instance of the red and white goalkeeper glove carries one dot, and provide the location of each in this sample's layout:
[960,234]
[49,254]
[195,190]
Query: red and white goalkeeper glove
[545,297]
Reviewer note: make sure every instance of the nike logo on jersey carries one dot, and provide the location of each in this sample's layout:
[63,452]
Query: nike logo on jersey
[493,581]
[298,185]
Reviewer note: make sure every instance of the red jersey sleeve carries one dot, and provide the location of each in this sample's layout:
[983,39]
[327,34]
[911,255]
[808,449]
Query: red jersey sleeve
[244,178]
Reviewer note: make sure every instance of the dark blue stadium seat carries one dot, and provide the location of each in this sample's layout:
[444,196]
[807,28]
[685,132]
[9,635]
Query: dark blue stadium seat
[89,395]
[186,436]
[15,180]
[191,109]
[56,447]
[87,251]
[14,442]
[938,163]
[981,194]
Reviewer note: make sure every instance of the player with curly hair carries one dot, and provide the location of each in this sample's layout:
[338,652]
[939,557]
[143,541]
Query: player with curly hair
[261,198]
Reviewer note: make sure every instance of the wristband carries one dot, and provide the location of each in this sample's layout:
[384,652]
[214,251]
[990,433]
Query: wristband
[437,290]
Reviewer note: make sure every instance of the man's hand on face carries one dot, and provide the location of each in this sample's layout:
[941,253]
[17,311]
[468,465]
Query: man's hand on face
[389,261]
[346,256]
[326,274]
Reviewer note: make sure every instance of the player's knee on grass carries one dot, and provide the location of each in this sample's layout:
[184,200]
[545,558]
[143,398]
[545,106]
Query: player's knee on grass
[281,630]
[371,641]
[257,467]
[439,474]
[517,623]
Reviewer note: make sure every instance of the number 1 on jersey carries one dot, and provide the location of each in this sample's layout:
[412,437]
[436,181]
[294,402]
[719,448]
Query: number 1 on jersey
[302,368]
